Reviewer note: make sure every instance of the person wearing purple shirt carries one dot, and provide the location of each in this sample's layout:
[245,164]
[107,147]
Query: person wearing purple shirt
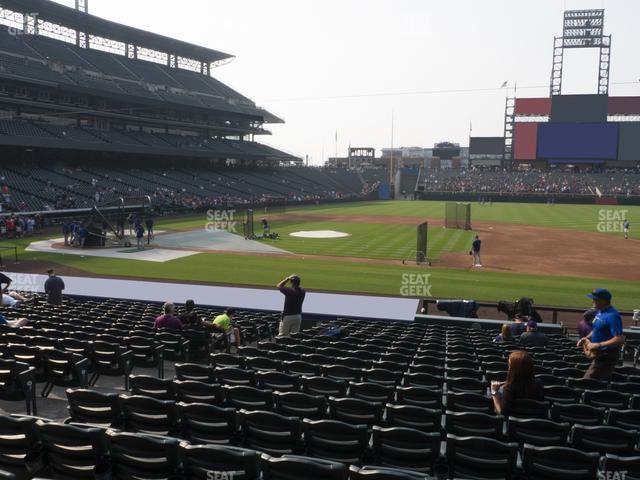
[168,319]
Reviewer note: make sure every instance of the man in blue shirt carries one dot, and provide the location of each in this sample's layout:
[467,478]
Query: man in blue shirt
[606,338]
[475,251]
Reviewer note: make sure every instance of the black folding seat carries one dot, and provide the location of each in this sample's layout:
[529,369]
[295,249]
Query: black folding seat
[384,473]
[558,463]
[367,355]
[93,408]
[224,360]
[352,362]
[468,402]
[296,404]
[617,464]
[634,403]
[201,423]
[18,384]
[199,342]
[290,467]
[335,441]
[631,388]
[248,398]
[175,345]
[528,408]
[300,368]
[562,394]
[67,451]
[235,377]
[604,439]
[480,458]
[300,349]
[372,392]
[542,433]
[577,413]
[324,386]
[135,455]
[355,411]
[438,370]
[148,415]
[283,355]
[382,376]
[64,369]
[199,461]
[192,391]
[4,475]
[17,436]
[586,384]
[263,364]
[408,448]
[146,353]
[419,396]
[328,351]
[468,385]
[462,362]
[32,356]
[158,388]
[74,345]
[606,399]
[270,432]
[342,373]
[549,380]
[411,416]
[422,380]
[278,381]
[474,424]
[112,360]
[194,371]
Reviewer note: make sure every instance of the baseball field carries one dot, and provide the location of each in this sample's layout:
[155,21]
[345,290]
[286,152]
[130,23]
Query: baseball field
[553,253]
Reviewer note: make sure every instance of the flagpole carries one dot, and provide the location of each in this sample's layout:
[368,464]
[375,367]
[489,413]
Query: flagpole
[391,162]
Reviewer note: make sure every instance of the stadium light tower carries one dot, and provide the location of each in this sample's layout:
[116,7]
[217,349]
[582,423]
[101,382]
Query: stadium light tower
[582,29]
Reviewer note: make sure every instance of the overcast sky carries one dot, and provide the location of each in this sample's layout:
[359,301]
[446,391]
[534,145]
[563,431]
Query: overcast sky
[320,64]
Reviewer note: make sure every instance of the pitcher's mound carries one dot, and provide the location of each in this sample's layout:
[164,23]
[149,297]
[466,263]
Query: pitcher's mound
[319,234]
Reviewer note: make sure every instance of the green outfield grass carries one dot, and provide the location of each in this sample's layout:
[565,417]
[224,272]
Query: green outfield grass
[391,241]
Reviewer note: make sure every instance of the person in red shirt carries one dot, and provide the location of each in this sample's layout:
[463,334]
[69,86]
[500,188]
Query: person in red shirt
[168,319]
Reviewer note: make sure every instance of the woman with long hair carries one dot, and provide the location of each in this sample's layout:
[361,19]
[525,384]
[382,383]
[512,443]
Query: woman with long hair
[505,334]
[521,384]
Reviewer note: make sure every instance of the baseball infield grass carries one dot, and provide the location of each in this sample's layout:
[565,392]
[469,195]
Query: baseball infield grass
[378,241]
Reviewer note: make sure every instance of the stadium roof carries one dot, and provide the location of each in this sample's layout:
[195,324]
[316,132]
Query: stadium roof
[49,11]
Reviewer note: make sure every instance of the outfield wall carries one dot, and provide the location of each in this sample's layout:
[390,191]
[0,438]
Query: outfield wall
[523,198]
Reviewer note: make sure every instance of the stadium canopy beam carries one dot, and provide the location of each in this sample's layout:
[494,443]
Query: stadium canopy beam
[582,29]
[94,26]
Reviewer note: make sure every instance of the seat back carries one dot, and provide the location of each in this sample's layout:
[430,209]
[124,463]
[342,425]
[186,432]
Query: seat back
[538,432]
[406,448]
[558,463]
[355,411]
[148,386]
[201,423]
[94,408]
[302,405]
[192,391]
[604,439]
[480,457]
[135,455]
[148,415]
[270,433]
[230,462]
[474,424]
[335,441]
[411,416]
[294,467]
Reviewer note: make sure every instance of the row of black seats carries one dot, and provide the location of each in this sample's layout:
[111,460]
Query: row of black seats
[40,447]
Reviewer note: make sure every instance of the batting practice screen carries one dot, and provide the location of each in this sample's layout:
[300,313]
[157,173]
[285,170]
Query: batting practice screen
[421,250]
[457,215]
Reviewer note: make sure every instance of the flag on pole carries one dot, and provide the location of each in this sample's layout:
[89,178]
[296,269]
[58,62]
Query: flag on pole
[598,192]
[504,85]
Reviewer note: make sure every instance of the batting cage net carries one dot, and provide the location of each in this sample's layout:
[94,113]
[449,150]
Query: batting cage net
[457,215]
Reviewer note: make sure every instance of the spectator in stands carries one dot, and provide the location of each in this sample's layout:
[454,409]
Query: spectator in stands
[190,317]
[9,298]
[168,319]
[519,325]
[20,322]
[521,384]
[475,251]
[120,225]
[53,287]
[292,312]
[532,337]
[586,324]
[222,324]
[130,220]
[505,334]
[606,338]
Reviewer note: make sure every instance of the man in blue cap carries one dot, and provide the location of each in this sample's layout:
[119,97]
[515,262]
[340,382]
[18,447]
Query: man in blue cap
[606,338]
